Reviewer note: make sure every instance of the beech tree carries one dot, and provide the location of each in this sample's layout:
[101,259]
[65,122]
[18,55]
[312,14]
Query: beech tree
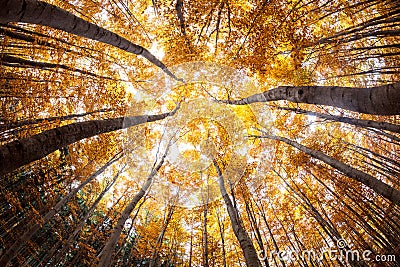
[107,252]
[245,242]
[378,186]
[38,12]
[380,100]
[21,152]
[320,78]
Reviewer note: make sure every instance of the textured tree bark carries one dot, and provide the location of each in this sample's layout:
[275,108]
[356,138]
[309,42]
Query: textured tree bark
[221,233]
[12,251]
[20,152]
[326,224]
[108,250]
[376,185]
[245,242]
[38,12]
[379,100]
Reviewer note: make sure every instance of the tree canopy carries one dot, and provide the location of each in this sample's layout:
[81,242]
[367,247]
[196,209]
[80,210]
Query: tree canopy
[200,133]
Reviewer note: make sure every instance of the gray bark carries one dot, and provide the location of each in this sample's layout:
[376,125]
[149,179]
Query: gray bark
[72,237]
[20,152]
[245,242]
[379,100]
[376,185]
[41,13]
[12,61]
[381,125]
[108,250]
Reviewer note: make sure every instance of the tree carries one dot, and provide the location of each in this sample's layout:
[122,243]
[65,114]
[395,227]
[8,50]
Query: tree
[38,12]
[18,153]
[378,186]
[380,100]
[323,176]
[108,250]
[33,228]
[245,242]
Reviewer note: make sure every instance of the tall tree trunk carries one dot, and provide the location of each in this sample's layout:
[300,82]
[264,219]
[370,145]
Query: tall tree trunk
[38,12]
[245,242]
[251,214]
[379,100]
[264,216]
[20,152]
[160,238]
[108,250]
[191,247]
[376,185]
[325,224]
[12,251]
[17,124]
[205,233]
[221,228]
[381,125]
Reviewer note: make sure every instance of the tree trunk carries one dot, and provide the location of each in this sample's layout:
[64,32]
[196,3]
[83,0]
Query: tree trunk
[108,250]
[245,242]
[12,125]
[160,238]
[376,185]
[26,236]
[38,12]
[326,224]
[205,233]
[264,253]
[381,125]
[191,248]
[379,100]
[221,228]
[20,152]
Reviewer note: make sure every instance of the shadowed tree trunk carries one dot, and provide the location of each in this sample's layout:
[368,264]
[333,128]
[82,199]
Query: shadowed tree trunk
[20,152]
[379,100]
[251,214]
[108,250]
[245,242]
[326,224]
[376,185]
[38,12]
[12,251]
